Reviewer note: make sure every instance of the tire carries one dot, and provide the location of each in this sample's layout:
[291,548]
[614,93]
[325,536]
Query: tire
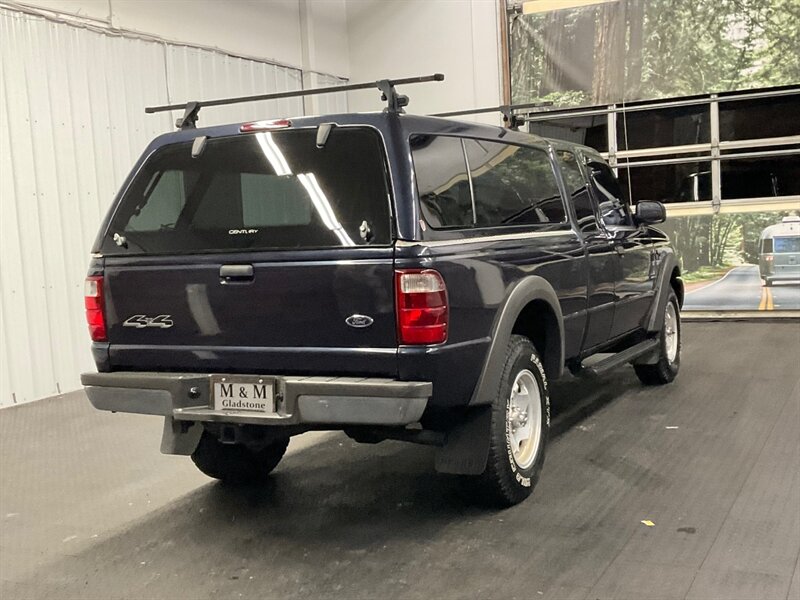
[669,353]
[514,465]
[768,282]
[235,463]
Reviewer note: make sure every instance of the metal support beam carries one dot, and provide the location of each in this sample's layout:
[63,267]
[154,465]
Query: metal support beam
[716,171]
[613,148]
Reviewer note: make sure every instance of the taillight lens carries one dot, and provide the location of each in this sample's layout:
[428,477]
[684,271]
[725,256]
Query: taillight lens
[265,125]
[769,258]
[95,308]
[422,310]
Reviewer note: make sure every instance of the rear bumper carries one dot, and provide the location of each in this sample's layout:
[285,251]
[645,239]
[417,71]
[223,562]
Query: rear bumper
[299,400]
[782,276]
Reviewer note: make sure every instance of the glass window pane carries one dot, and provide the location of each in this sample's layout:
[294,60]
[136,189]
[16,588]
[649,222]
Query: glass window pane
[513,185]
[686,182]
[590,131]
[761,177]
[677,126]
[787,245]
[442,181]
[257,191]
[759,118]
[164,201]
[710,247]
[270,201]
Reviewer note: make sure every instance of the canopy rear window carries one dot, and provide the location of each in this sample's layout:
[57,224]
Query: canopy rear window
[267,190]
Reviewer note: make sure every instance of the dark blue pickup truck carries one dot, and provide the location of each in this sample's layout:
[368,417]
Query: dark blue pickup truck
[388,275]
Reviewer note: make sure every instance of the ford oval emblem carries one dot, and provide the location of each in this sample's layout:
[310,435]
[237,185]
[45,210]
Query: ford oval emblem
[359,321]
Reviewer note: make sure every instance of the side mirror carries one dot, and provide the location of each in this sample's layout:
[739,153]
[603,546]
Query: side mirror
[650,213]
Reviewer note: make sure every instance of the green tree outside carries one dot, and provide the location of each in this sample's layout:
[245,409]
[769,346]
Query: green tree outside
[645,49]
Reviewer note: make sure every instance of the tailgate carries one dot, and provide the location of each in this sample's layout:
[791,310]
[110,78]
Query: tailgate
[317,316]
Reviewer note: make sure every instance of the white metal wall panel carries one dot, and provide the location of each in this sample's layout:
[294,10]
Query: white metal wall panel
[72,123]
[329,104]
[72,127]
[197,74]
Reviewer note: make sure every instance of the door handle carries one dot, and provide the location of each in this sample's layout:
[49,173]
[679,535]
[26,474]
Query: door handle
[235,274]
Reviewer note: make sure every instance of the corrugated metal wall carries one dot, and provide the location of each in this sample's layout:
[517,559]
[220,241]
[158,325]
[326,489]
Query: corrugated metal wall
[72,123]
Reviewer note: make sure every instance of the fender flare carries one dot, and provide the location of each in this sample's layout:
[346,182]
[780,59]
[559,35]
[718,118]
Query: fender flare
[467,447]
[526,291]
[668,264]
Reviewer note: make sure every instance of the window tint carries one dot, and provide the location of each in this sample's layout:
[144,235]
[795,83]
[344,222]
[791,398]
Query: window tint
[578,191]
[442,181]
[258,191]
[166,198]
[613,208]
[268,200]
[513,185]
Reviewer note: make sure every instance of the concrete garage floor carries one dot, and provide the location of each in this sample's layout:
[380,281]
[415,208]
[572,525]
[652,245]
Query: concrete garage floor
[90,509]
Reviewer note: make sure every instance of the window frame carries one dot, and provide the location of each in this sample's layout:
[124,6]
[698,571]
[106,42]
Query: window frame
[581,163]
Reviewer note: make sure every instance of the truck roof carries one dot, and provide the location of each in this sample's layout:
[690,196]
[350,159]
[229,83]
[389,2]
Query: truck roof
[382,121]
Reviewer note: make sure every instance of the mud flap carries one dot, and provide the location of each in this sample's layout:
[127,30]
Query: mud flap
[180,437]
[650,358]
[467,447]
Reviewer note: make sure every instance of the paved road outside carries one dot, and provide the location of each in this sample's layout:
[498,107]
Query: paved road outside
[741,289]
[90,509]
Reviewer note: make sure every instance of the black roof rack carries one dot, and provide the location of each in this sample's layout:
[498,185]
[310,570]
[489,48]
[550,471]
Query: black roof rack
[510,118]
[395,102]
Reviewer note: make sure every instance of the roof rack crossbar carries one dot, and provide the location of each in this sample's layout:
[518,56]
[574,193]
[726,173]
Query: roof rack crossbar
[510,117]
[395,102]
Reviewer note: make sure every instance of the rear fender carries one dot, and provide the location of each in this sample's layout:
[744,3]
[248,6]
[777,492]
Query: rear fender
[467,446]
[654,323]
[526,291]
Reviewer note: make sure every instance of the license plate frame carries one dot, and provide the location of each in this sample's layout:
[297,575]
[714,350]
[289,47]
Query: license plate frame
[244,393]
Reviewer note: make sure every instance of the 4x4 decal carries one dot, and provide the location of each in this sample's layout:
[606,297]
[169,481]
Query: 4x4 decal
[141,321]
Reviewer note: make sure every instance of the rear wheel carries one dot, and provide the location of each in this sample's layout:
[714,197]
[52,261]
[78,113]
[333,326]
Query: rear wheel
[669,352]
[519,426]
[768,282]
[236,463]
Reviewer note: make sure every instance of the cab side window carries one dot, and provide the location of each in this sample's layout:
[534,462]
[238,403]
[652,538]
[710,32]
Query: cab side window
[611,202]
[578,192]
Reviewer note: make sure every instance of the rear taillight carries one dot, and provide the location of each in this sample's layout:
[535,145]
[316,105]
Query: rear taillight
[422,311]
[769,258]
[95,308]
